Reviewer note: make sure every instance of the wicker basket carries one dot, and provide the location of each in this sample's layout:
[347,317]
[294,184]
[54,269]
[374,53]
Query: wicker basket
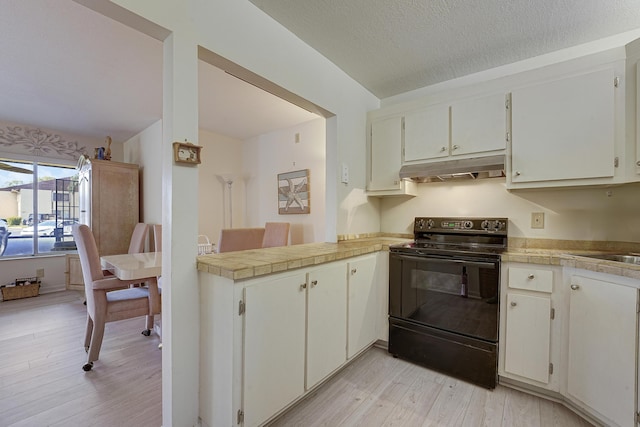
[20,291]
[204,247]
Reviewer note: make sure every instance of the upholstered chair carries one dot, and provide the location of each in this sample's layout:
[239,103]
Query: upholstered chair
[275,234]
[240,239]
[107,301]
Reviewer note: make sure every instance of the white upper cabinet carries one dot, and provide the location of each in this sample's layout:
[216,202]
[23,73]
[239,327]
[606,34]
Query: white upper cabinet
[386,140]
[385,148]
[560,124]
[478,125]
[462,128]
[426,133]
[564,129]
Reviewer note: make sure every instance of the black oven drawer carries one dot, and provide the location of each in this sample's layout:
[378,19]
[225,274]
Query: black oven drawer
[462,357]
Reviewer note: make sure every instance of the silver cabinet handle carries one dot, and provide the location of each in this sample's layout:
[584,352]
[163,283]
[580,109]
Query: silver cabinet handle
[443,149]
[455,147]
[517,173]
[531,277]
[354,270]
[575,287]
[303,286]
[513,303]
[314,283]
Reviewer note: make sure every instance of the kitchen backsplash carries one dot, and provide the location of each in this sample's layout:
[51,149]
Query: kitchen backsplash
[570,214]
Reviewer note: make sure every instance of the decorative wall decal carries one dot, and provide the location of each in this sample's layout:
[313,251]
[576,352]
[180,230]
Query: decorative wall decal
[39,142]
[293,192]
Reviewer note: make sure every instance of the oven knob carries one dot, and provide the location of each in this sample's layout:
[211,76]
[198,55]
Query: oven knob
[430,223]
[420,223]
[484,225]
[468,224]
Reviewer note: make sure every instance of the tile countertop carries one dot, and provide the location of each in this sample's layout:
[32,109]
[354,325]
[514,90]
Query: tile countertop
[259,262]
[574,260]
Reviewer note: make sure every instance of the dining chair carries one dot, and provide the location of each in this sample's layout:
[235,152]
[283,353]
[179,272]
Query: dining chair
[107,301]
[157,246]
[138,238]
[157,237]
[275,234]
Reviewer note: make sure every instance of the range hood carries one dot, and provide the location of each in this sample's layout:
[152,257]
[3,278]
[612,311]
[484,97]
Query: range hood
[474,168]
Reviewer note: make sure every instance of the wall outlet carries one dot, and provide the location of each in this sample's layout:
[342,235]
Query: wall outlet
[537,219]
[40,272]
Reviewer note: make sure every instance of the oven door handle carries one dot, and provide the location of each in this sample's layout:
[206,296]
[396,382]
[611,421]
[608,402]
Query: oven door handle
[489,265]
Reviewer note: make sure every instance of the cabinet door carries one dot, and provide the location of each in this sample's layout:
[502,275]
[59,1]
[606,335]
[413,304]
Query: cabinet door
[386,143]
[274,339]
[426,133]
[326,321]
[363,304]
[75,280]
[564,129]
[602,347]
[528,336]
[478,125]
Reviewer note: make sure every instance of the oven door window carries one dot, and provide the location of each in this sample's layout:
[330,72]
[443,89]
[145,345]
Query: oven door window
[451,295]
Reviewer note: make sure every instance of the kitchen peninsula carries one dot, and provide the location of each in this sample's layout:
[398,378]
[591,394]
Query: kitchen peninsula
[290,316]
[295,315]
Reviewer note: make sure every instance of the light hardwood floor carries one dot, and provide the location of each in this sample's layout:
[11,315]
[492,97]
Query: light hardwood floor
[41,378]
[378,390]
[42,382]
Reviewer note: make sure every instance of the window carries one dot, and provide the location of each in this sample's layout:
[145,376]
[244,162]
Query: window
[38,206]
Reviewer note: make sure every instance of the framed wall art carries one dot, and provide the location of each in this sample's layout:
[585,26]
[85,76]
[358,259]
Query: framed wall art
[293,193]
[185,152]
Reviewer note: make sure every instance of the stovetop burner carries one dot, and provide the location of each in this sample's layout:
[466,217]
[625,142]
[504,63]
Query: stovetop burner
[456,235]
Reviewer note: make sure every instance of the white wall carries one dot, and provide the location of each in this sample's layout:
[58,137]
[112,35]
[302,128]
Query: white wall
[54,271]
[267,156]
[144,150]
[570,214]
[220,155]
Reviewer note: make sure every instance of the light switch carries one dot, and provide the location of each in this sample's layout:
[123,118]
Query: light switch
[345,174]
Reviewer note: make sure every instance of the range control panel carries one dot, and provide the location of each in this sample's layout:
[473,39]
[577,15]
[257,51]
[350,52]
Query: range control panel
[475,225]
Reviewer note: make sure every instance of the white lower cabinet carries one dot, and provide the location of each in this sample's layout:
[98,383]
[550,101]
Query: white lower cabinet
[528,328]
[326,321]
[602,345]
[528,336]
[363,304]
[295,331]
[274,346]
[572,334]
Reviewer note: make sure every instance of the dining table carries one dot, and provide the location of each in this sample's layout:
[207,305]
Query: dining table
[145,266]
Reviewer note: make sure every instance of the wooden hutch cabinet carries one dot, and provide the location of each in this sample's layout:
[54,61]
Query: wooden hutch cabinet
[109,204]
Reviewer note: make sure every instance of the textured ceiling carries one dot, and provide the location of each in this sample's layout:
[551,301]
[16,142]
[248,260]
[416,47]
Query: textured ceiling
[70,69]
[394,46]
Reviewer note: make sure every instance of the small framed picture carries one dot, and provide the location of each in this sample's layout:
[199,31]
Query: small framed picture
[185,152]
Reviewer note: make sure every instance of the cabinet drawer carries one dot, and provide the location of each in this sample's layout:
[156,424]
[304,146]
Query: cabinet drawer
[531,279]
